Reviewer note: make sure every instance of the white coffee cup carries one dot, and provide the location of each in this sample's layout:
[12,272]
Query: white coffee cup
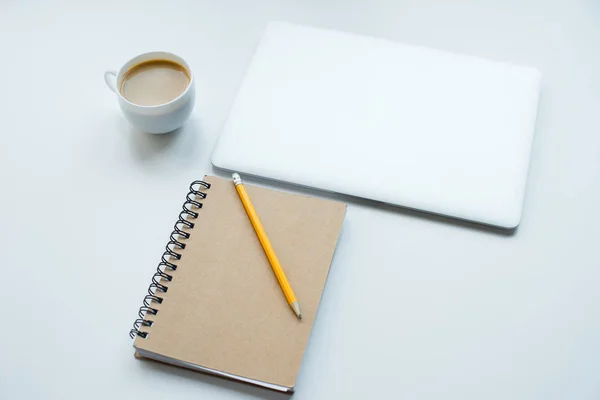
[160,118]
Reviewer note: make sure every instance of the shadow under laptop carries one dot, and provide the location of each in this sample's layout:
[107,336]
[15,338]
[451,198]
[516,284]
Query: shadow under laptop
[220,382]
[354,200]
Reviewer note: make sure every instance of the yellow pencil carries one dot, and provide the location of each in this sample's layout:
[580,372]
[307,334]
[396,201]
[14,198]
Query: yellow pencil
[266,245]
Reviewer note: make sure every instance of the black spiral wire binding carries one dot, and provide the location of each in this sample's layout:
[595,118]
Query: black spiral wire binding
[161,277]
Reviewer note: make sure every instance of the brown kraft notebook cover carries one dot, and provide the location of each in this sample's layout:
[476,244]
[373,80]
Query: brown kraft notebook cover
[223,311]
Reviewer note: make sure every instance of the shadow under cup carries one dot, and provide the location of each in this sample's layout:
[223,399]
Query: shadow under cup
[161,118]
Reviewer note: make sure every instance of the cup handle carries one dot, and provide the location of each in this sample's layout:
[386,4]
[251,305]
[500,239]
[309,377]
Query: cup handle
[110,77]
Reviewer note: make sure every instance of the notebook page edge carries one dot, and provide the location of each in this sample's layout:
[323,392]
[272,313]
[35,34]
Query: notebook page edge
[196,367]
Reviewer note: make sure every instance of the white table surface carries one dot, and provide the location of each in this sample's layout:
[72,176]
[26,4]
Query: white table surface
[416,307]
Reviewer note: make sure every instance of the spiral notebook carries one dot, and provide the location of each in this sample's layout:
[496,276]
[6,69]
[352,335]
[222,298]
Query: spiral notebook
[214,304]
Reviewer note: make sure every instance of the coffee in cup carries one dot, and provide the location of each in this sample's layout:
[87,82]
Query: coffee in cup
[154,82]
[155,91]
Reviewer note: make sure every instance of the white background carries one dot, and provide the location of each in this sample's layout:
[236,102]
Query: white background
[416,307]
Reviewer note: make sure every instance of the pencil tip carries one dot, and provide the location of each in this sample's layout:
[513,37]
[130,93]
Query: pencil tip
[296,308]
